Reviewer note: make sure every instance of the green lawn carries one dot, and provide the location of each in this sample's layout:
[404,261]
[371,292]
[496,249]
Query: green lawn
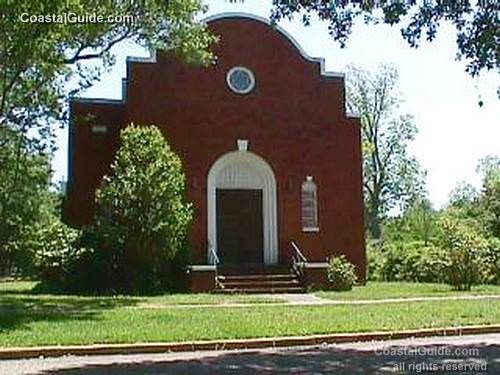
[121,325]
[27,319]
[23,294]
[381,290]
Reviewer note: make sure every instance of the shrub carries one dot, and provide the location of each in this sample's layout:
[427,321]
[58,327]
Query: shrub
[142,216]
[49,252]
[492,261]
[401,261]
[395,262]
[376,257]
[341,273]
[466,250]
[430,264]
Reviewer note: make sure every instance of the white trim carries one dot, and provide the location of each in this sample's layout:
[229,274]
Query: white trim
[99,129]
[313,264]
[352,115]
[97,100]
[152,57]
[235,89]
[309,191]
[310,229]
[145,59]
[242,144]
[201,267]
[318,60]
[244,170]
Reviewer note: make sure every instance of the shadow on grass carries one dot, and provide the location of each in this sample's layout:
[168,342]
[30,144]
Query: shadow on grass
[19,307]
[322,360]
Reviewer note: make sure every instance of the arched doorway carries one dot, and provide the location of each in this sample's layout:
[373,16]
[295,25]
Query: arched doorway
[241,209]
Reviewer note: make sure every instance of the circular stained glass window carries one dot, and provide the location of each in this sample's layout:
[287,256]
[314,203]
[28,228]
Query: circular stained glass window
[241,80]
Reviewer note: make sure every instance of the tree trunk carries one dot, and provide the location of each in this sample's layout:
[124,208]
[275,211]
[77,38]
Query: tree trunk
[373,223]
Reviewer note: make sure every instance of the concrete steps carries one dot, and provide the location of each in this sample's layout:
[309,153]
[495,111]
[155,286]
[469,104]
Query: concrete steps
[265,280]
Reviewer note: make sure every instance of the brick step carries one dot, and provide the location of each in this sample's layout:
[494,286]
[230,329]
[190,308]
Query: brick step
[260,290]
[252,269]
[257,278]
[277,277]
[249,284]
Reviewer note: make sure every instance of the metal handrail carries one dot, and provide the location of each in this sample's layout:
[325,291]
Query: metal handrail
[215,257]
[300,257]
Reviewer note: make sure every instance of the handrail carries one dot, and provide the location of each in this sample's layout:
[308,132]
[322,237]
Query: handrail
[301,257]
[215,257]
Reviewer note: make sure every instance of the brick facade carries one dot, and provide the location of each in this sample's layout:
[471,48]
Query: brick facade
[294,119]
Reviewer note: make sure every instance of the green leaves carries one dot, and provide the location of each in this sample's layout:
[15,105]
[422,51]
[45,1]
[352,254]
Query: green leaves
[481,206]
[392,177]
[341,273]
[42,64]
[52,248]
[466,250]
[476,23]
[413,261]
[24,195]
[142,215]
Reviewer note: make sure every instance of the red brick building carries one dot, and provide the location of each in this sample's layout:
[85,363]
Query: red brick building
[270,155]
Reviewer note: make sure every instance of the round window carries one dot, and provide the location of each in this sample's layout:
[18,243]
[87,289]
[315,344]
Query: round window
[241,80]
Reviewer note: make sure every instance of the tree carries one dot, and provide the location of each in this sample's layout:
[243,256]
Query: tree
[142,217]
[24,195]
[489,166]
[43,63]
[392,176]
[476,22]
[489,203]
[41,56]
[480,206]
[464,195]
[417,223]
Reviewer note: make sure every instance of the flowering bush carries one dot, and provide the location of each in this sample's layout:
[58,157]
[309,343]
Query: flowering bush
[50,251]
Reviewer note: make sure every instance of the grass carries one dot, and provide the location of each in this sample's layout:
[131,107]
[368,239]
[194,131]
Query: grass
[383,290]
[24,294]
[28,319]
[121,325]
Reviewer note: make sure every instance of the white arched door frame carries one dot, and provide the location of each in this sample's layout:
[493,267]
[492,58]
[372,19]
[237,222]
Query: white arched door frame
[244,170]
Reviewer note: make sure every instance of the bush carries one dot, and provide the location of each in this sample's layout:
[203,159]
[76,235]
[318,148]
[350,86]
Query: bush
[466,254]
[430,264]
[49,251]
[376,261]
[142,217]
[492,261]
[401,261]
[341,273]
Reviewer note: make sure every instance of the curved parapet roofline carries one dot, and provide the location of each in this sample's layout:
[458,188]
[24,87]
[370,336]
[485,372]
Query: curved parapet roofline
[286,34]
[227,15]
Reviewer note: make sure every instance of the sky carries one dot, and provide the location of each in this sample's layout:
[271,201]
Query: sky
[454,131]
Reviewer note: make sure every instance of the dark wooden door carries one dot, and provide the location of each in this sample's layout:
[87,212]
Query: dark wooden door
[240,226]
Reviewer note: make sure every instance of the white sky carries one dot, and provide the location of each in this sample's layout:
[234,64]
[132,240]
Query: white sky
[454,132]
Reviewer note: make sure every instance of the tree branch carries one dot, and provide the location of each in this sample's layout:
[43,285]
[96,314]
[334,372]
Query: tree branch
[77,57]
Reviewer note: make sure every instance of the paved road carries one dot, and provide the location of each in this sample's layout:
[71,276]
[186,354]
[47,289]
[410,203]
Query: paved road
[451,355]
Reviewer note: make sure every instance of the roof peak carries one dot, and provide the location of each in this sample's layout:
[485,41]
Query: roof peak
[281,30]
